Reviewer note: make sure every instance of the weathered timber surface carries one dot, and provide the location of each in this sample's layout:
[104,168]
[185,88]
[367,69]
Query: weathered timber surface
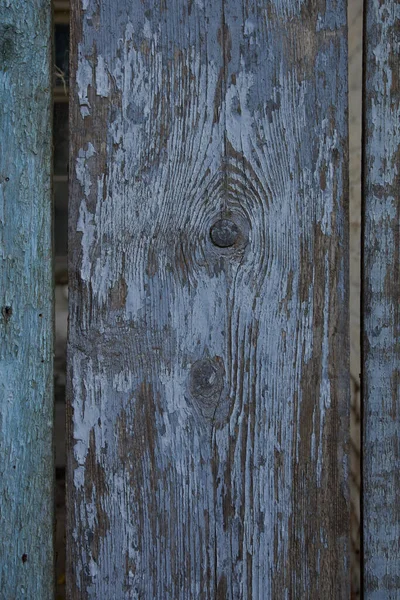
[381,302]
[208,342]
[26,302]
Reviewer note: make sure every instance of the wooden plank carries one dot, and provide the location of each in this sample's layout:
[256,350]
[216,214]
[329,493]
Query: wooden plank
[26,302]
[208,360]
[380,298]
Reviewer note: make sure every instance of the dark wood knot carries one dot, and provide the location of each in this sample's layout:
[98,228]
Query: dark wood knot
[224,233]
[206,384]
[6,312]
[7,45]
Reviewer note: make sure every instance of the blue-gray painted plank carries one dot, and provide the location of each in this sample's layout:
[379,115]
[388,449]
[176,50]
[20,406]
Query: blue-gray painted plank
[26,302]
[381,302]
[208,361]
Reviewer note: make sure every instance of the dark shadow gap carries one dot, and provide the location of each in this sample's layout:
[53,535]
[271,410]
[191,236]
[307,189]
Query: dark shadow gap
[60,187]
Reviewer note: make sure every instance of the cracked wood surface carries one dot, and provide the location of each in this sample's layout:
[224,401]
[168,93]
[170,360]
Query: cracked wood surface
[208,338]
[380,297]
[26,302]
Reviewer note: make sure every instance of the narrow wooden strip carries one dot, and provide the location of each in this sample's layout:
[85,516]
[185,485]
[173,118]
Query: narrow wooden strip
[381,302]
[26,302]
[208,346]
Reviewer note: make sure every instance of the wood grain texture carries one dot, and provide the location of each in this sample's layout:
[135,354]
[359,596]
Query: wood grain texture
[208,362]
[26,302]
[381,294]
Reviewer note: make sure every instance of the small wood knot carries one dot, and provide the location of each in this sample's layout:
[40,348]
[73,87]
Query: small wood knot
[7,45]
[204,378]
[206,384]
[24,558]
[224,233]
[6,311]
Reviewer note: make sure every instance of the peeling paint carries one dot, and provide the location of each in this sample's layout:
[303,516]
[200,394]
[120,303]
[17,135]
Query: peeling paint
[84,79]
[217,111]
[381,292]
[102,80]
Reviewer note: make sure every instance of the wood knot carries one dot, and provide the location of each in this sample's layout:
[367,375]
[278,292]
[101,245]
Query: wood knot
[6,311]
[7,45]
[224,233]
[206,384]
[229,234]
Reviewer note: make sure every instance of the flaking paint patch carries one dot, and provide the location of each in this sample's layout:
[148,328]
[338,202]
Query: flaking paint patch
[175,387]
[249,26]
[135,300]
[240,119]
[147,29]
[84,79]
[328,144]
[79,472]
[86,226]
[102,78]
[82,172]
[87,416]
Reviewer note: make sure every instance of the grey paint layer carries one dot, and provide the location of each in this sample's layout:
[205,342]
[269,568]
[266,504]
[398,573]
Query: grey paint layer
[381,296]
[26,313]
[208,382]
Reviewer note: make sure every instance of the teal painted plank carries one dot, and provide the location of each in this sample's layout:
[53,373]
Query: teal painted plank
[381,302]
[26,302]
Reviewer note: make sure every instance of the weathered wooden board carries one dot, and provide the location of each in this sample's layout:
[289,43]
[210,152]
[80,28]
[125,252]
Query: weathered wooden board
[381,302]
[26,302]
[208,344]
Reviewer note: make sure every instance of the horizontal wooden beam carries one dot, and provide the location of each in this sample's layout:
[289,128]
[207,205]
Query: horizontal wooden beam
[61,11]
